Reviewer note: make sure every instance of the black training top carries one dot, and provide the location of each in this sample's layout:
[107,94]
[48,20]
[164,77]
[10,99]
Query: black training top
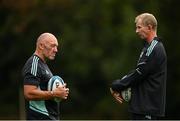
[36,72]
[147,81]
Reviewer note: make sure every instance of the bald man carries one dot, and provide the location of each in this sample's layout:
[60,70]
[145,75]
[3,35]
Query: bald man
[36,73]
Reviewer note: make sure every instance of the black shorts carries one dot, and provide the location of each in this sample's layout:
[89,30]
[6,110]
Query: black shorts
[33,115]
[143,117]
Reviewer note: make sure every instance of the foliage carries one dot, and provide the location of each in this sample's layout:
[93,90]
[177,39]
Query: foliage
[97,45]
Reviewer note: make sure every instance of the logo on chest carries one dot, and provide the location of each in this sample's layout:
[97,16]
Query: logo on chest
[47,72]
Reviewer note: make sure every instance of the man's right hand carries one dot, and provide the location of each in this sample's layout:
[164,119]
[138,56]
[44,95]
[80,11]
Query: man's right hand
[117,96]
[61,92]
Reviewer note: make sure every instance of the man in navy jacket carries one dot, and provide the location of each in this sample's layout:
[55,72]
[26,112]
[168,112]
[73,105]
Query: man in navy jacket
[148,80]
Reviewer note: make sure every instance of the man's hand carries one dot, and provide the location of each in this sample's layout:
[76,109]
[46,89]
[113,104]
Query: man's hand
[117,96]
[61,92]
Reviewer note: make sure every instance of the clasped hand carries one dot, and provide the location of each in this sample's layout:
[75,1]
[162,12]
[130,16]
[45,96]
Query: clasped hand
[117,96]
[62,92]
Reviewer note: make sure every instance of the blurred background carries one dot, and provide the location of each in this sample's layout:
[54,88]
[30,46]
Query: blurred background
[98,44]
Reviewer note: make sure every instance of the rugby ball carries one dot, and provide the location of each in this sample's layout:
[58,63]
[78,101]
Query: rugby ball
[126,94]
[55,82]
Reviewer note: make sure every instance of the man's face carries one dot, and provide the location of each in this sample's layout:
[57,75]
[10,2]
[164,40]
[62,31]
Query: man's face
[142,30]
[50,48]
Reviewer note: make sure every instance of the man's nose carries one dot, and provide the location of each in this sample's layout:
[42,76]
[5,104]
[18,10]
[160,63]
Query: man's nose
[137,30]
[55,49]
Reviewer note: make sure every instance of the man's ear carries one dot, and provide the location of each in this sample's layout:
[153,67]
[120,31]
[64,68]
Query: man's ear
[149,27]
[41,46]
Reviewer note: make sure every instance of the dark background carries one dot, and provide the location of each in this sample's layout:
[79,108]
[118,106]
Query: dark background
[98,44]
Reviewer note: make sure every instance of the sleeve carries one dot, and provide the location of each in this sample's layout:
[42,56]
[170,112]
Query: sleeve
[32,73]
[144,67]
[30,79]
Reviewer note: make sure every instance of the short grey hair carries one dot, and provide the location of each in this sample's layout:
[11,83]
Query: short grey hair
[147,19]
